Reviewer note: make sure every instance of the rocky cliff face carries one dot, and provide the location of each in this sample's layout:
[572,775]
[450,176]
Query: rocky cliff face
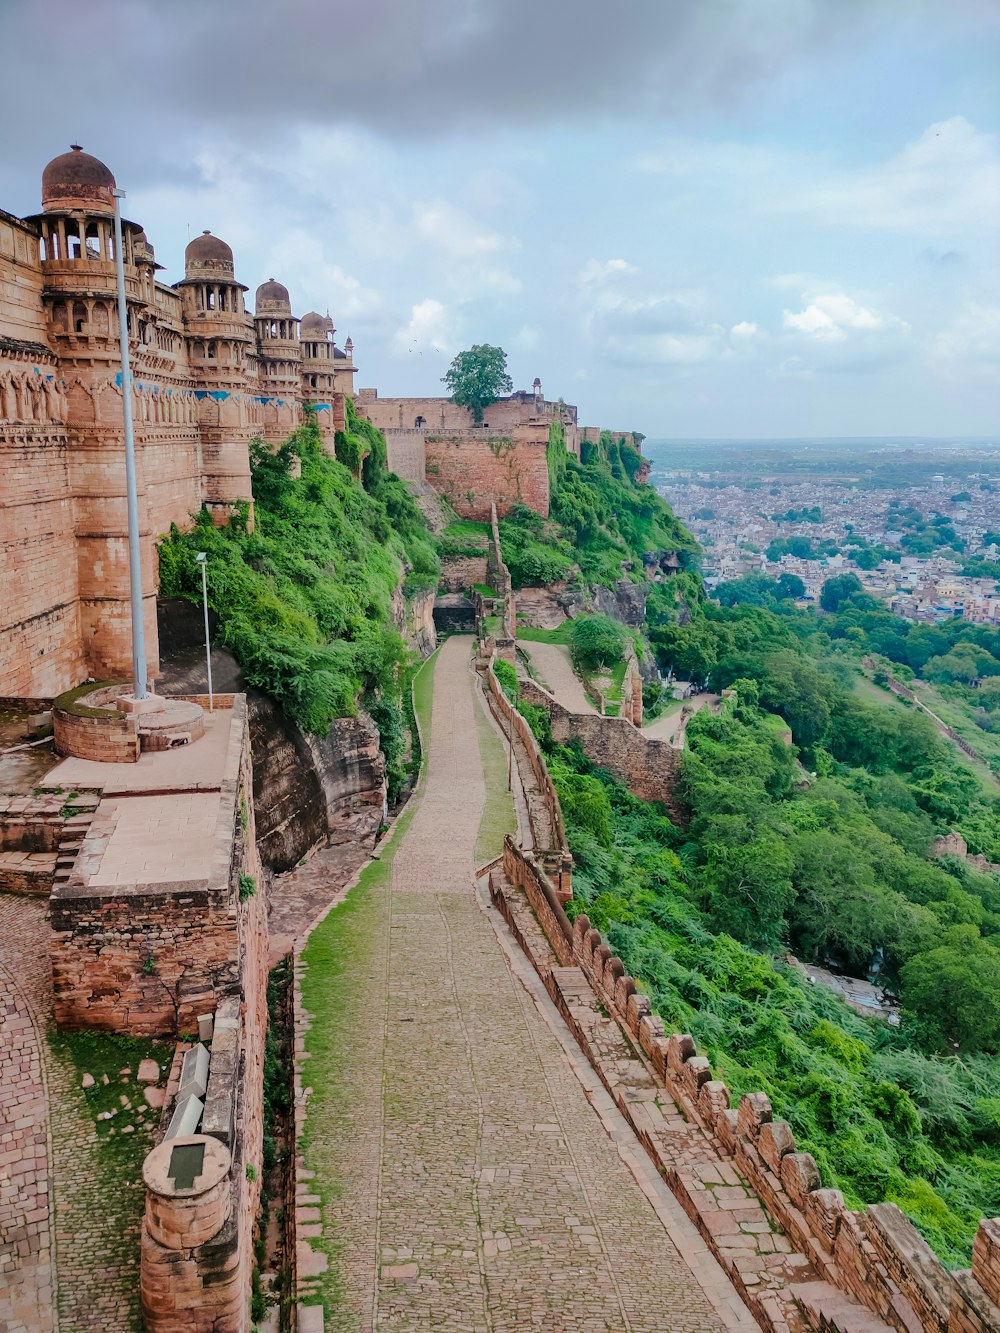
[309,790]
[548,607]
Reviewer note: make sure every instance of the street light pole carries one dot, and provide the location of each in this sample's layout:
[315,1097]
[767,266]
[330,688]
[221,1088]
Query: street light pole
[139,671]
[202,559]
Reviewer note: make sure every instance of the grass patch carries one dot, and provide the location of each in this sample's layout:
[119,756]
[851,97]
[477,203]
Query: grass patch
[466,527]
[498,816]
[530,634]
[106,1179]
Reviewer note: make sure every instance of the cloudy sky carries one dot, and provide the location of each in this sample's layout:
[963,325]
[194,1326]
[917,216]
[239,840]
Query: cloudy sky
[691,217]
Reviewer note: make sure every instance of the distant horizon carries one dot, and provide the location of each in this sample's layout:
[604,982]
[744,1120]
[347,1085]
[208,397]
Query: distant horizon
[820,439]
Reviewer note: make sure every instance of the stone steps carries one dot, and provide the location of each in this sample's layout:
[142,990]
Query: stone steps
[828,1310]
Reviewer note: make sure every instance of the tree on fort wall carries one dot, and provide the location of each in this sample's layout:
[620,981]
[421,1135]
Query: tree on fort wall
[478,377]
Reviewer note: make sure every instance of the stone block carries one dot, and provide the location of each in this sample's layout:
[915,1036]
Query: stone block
[186,1118]
[636,1009]
[194,1073]
[149,1071]
[824,1210]
[205,1027]
[713,1098]
[986,1258]
[774,1140]
[753,1111]
[680,1048]
[725,1131]
[697,1072]
[799,1176]
[650,1031]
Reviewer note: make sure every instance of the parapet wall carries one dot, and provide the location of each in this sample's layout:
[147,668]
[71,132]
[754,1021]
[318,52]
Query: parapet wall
[649,768]
[797,1255]
[551,843]
[876,1255]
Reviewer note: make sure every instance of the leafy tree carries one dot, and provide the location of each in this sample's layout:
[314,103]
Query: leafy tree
[957,988]
[838,590]
[478,377]
[597,641]
[790,585]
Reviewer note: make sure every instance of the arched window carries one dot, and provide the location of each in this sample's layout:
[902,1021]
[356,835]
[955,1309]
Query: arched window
[41,248]
[79,317]
[74,246]
[93,241]
[60,317]
[420,423]
[210,298]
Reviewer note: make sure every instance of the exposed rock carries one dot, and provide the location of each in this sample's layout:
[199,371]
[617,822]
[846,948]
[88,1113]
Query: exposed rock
[149,1071]
[87,1081]
[304,786]
[155,1097]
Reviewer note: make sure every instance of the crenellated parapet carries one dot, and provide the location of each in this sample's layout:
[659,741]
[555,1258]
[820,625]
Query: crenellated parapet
[763,1187]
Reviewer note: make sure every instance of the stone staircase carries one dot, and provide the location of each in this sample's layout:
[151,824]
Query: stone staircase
[40,836]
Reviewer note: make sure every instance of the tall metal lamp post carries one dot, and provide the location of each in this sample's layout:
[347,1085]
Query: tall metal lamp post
[202,559]
[139,671]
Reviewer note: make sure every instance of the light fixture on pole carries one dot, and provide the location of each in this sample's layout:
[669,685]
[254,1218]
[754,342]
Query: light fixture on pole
[134,565]
[202,559]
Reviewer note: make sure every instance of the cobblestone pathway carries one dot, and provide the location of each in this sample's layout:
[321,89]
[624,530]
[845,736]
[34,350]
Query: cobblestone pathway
[55,1160]
[462,1179]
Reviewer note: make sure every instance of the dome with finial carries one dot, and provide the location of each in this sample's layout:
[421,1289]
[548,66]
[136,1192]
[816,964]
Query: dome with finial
[77,180]
[315,327]
[273,299]
[208,257]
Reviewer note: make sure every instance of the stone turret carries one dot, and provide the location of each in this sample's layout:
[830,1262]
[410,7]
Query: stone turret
[280,359]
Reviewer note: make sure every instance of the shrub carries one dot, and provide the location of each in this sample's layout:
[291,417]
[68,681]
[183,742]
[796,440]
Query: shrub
[596,641]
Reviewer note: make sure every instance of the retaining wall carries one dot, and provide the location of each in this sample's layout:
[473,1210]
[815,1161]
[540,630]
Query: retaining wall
[649,768]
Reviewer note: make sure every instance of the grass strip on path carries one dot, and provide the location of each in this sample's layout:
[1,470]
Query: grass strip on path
[345,960]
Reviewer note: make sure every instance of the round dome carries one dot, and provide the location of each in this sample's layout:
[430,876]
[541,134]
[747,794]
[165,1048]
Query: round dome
[77,180]
[315,327]
[208,257]
[272,299]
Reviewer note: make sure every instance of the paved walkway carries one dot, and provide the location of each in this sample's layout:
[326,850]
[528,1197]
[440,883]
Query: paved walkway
[554,668]
[462,1178]
[672,727]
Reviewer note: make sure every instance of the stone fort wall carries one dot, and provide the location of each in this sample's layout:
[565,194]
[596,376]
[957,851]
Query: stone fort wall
[207,378]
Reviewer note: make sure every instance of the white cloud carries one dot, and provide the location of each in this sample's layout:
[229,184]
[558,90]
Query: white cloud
[834,316]
[448,228]
[745,330]
[600,270]
[431,327]
[949,177]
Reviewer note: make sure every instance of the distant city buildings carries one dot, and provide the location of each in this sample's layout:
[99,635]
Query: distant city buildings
[843,528]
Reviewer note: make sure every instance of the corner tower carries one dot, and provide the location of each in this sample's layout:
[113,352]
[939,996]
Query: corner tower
[280,358]
[220,351]
[79,295]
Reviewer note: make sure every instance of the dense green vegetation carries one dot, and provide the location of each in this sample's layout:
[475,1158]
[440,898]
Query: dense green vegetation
[885,1118]
[960,659]
[304,600]
[603,519]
